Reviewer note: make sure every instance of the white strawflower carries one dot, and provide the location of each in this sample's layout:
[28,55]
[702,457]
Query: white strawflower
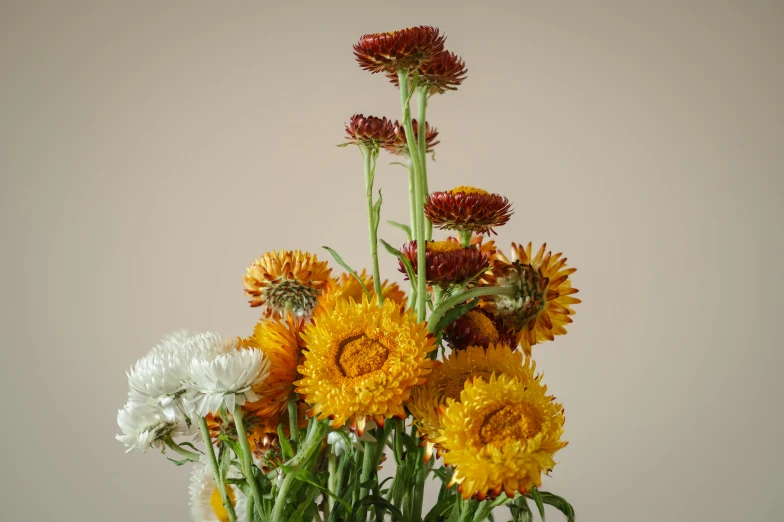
[224,379]
[145,427]
[338,444]
[159,378]
[206,502]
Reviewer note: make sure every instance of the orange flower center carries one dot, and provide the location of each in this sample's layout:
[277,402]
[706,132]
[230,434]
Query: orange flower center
[360,355]
[465,189]
[508,423]
[444,246]
[216,503]
[482,325]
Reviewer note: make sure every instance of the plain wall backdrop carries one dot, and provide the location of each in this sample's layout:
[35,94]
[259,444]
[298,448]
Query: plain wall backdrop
[150,150]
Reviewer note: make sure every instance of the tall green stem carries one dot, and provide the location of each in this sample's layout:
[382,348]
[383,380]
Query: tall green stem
[247,456]
[368,465]
[210,451]
[370,155]
[412,196]
[332,469]
[416,160]
[422,145]
[293,420]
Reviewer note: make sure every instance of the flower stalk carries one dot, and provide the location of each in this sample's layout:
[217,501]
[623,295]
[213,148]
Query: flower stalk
[221,484]
[370,155]
[416,160]
[246,459]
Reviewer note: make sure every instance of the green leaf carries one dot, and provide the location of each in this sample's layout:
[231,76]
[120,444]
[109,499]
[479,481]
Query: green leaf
[233,444]
[369,483]
[441,510]
[401,226]
[179,462]
[520,510]
[377,210]
[308,477]
[558,503]
[189,445]
[454,314]
[285,445]
[534,493]
[339,260]
[225,463]
[403,259]
[375,500]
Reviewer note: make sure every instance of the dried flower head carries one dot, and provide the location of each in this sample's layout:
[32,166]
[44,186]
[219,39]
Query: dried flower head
[478,327]
[400,145]
[468,208]
[501,436]
[362,361]
[445,72]
[370,131]
[446,382]
[287,280]
[403,49]
[541,306]
[447,261]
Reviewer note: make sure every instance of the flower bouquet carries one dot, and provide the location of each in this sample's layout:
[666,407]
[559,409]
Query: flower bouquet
[344,374]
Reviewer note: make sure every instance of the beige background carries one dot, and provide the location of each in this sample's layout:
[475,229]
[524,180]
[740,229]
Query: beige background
[149,150]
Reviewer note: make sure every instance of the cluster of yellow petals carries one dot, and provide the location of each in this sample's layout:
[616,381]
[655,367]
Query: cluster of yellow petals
[501,436]
[362,361]
[446,382]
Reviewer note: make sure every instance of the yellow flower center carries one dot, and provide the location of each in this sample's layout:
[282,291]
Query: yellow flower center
[509,423]
[216,503]
[455,385]
[468,190]
[483,325]
[360,355]
[444,246]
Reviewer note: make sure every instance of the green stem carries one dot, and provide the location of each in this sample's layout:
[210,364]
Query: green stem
[189,455]
[247,455]
[422,138]
[415,157]
[419,488]
[412,196]
[465,238]
[210,451]
[332,465]
[311,444]
[370,155]
[465,296]
[250,505]
[293,420]
[368,465]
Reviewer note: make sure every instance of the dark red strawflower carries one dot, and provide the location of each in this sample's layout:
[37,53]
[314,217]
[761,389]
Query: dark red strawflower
[445,72]
[370,131]
[400,145]
[468,208]
[404,49]
[447,262]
